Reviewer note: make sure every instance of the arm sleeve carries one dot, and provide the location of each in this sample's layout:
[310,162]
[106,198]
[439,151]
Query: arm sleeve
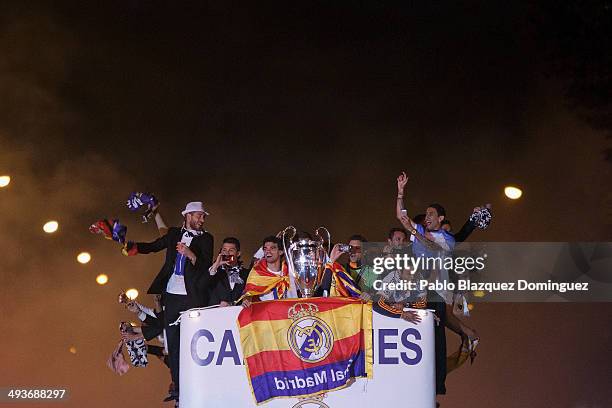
[159,244]
[150,332]
[219,293]
[204,262]
[465,231]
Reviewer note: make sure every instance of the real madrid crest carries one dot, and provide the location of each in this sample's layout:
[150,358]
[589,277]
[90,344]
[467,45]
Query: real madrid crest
[312,402]
[309,337]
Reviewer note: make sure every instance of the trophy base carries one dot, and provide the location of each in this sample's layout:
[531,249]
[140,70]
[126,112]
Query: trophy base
[307,293]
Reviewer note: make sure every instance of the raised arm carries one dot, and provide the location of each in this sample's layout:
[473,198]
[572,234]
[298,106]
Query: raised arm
[161,225]
[403,217]
[203,261]
[402,179]
[159,244]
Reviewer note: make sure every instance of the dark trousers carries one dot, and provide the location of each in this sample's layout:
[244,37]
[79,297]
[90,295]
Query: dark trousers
[436,303]
[175,304]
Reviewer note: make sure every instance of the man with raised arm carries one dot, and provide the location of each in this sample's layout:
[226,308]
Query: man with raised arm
[184,279]
[432,240]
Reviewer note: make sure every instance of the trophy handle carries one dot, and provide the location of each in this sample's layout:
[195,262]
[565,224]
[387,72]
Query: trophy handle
[287,236]
[323,238]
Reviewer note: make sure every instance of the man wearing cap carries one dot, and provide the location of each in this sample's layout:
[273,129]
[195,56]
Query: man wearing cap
[184,279]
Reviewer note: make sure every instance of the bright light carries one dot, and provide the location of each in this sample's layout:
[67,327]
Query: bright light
[50,227]
[131,294]
[194,313]
[102,279]
[513,193]
[470,307]
[479,293]
[5,181]
[72,349]
[83,257]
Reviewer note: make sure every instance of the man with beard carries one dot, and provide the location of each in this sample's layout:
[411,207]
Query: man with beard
[183,280]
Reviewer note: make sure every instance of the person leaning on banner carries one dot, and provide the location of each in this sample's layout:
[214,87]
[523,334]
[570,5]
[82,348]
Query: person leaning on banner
[183,280]
[229,276]
[269,279]
[335,280]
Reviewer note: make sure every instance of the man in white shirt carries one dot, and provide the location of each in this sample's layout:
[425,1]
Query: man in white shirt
[184,280]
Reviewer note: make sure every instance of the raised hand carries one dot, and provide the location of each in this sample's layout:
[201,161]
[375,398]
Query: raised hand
[183,249]
[406,223]
[335,253]
[219,262]
[402,179]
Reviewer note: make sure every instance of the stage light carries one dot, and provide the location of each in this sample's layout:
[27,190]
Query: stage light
[83,257]
[131,294]
[194,313]
[72,349]
[5,181]
[513,193]
[102,279]
[479,293]
[50,227]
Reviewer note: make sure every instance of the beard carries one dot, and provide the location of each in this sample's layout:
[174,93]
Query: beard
[196,226]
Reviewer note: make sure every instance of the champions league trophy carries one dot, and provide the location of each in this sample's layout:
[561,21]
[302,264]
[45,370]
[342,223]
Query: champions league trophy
[306,258]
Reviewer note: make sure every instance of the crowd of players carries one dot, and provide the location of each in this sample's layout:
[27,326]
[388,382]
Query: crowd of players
[193,276]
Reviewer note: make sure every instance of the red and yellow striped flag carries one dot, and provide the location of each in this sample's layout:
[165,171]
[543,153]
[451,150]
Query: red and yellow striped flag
[304,347]
[261,280]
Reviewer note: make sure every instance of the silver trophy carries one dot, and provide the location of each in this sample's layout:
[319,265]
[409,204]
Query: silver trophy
[306,258]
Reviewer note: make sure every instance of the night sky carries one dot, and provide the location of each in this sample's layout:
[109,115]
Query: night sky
[276,114]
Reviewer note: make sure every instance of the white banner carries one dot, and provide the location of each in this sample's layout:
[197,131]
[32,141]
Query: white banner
[212,374]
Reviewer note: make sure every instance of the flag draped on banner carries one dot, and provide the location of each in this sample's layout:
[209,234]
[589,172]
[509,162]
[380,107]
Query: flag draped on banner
[262,281]
[304,347]
[342,283]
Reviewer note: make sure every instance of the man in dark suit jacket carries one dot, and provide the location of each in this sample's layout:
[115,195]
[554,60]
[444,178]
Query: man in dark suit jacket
[184,280]
[229,276]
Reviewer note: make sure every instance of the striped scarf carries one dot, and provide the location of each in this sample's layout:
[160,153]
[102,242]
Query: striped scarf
[342,283]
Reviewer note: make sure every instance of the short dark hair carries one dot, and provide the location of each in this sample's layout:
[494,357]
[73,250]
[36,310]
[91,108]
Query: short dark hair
[396,229]
[274,240]
[357,237]
[232,240]
[418,219]
[441,211]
